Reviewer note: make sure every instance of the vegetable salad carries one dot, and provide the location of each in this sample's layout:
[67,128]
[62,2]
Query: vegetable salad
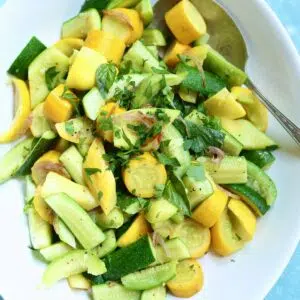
[142,151]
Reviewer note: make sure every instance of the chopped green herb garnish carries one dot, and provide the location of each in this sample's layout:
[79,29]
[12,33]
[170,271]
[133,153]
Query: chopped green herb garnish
[69,127]
[105,77]
[52,78]
[100,195]
[91,171]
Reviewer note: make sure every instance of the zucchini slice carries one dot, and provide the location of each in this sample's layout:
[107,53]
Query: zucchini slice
[251,197]
[77,220]
[261,183]
[63,232]
[231,169]
[157,293]
[113,290]
[151,277]
[132,258]
[72,263]
[55,251]
[48,59]
[19,67]
[114,219]
[173,249]
[108,245]
[79,26]
[262,158]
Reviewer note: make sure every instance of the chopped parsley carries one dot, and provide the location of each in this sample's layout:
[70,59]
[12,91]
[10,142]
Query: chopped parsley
[106,75]
[69,127]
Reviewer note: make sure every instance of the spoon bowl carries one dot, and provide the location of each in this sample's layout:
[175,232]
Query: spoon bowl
[226,38]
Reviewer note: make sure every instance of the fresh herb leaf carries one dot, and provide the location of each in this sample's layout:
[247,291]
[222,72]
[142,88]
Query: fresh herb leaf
[131,205]
[124,96]
[159,190]
[52,78]
[91,171]
[201,137]
[100,195]
[162,116]
[176,194]
[196,171]
[166,160]
[106,123]
[68,95]
[106,74]
[69,127]
[160,71]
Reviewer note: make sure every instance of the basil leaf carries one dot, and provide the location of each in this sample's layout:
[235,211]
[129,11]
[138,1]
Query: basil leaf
[51,78]
[106,74]
[91,171]
[176,194]
[166,160]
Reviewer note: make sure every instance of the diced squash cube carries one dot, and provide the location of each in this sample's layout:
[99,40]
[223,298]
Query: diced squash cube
[171,56]
[110,46]
[68,45]
[82,72]
[124,23]
[185,22]
[58,109]
[224,104]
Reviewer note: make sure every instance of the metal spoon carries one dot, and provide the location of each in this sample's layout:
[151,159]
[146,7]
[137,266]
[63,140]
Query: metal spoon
[226,38]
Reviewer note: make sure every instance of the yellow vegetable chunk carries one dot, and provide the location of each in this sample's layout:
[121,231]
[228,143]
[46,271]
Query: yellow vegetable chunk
[42,208]
[171,56]
[20,122]
[68,45]
[185,22]
[56,183]
[137,229]
[208,212]
[118,24]
[75,130]
[110,46]
[106,111]
[102,182]
[195,236]
[257,113]
[198,52]
[58,109]
[133,18]
[224,104]
[82,72]
[142,174]
[49,162]
[39,123]
[188,280]
[79,282]
[243,219]
[224,240]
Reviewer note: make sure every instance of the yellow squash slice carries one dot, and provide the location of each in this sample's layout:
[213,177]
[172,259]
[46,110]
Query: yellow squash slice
[185,22]
[99,178]
[188,280]
[142,175]
[223,237]
[68,45]
[23,108]
[171,56]
[208,212]
[243,219]
[137,229]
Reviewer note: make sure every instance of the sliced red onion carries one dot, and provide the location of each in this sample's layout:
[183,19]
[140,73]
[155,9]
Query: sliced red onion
[216,154]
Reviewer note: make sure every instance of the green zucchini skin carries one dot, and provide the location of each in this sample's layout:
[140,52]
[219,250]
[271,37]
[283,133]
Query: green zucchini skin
[251,197]
[39,146]
[19,67]
[135,257]
[262,158]
[151,277]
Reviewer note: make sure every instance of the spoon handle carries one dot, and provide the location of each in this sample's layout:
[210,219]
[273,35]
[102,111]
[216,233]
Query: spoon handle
[292,129]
